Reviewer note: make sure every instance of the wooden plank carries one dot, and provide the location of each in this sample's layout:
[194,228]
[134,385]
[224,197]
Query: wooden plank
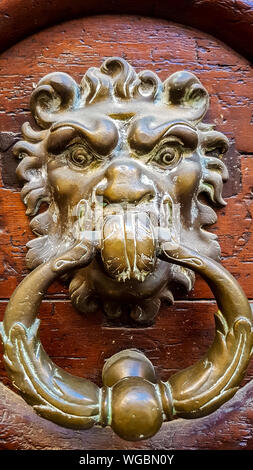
[227,20]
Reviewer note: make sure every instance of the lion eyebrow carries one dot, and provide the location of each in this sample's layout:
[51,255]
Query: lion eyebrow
[101,135]
[143,135]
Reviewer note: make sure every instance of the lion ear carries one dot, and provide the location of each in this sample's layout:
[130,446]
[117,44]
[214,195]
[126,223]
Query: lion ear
[184,92]
[55,94]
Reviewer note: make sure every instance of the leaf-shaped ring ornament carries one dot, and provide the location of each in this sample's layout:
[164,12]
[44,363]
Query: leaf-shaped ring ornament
[123,161]
[132,401]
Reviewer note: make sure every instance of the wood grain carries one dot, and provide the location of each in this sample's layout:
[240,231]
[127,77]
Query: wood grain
[229,20]
[182,333]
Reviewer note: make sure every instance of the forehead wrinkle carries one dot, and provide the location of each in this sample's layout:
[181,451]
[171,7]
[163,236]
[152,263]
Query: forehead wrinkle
[101,134]
[143,135]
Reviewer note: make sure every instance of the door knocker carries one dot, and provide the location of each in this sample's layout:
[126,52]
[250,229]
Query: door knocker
[123,161]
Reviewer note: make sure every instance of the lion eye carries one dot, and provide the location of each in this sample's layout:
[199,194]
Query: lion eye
[79,156]
[167,156]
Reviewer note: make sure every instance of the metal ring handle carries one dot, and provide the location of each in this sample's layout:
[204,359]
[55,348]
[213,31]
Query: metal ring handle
[132,401]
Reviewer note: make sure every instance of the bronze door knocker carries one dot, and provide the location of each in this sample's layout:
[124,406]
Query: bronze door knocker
[123,162]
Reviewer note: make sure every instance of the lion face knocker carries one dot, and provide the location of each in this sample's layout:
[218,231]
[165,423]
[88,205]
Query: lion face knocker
[123,161]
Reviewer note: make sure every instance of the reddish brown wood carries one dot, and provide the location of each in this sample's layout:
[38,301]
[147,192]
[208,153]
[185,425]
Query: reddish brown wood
[230,21]
[183,333]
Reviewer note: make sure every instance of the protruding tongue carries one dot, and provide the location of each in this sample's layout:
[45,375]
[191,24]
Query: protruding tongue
[128,246]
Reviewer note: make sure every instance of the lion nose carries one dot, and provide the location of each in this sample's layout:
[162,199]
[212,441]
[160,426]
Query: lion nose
[125,183]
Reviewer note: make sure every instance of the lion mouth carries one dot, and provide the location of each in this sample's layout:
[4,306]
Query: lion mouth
[126,236]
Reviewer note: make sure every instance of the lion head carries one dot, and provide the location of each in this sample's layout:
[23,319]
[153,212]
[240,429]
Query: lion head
[122,159]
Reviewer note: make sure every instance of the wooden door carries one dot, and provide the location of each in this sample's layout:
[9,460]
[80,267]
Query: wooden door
[181,333]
